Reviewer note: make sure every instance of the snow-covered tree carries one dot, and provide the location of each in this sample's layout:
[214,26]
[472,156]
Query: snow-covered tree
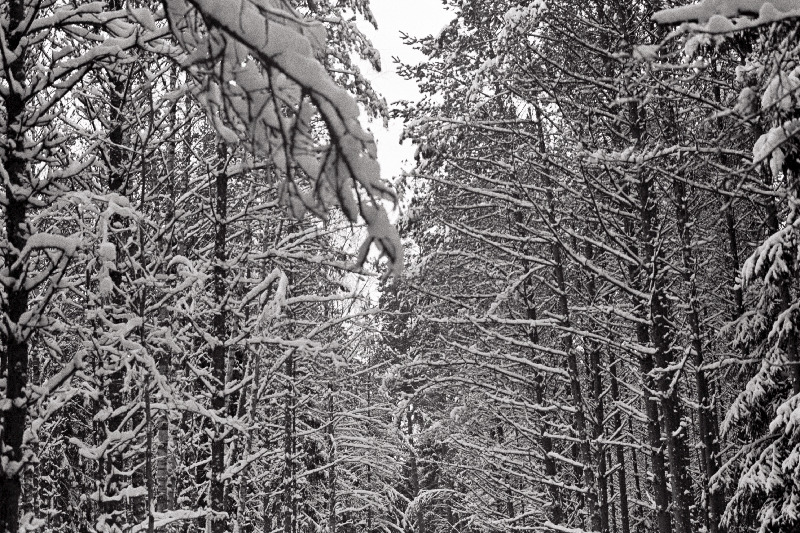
[765,467]
[95,268]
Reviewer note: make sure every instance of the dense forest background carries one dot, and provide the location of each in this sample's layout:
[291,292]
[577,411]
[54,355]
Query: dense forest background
[586,317]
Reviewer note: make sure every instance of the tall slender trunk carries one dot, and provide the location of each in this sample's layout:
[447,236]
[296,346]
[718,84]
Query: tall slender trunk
[116,306]
[730,216]
[661,337]
[612,507]
[14,358]
[574,374]
[289,517]
[150,483]
[658,464]
[598,428]
[709,433]
[216,491]
[568,347]
[638,277]
[556,511]
[163,359]
[637,477]
[643,280]
[598,432]
[622,481]
[546,442]
[148,457]
[244,482]
[332,462]
[733,254]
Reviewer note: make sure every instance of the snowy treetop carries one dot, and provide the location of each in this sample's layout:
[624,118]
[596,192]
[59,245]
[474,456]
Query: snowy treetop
[725,16]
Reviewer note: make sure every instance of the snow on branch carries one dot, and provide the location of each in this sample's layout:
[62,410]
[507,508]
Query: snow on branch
[261,81]
[725,16]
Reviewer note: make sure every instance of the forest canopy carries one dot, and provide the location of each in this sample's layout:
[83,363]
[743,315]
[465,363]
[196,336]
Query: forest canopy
[584,319]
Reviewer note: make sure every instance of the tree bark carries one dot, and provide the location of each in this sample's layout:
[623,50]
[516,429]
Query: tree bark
[733,255]
[709,433]
[598,429]
[332,463]
[148,458]
[216,491]
[163,360]
[661,341]
[598,432]
[289,508]
[581,429]
[550,470]
[115,306]
[638,277]
[14,358]
[622,478]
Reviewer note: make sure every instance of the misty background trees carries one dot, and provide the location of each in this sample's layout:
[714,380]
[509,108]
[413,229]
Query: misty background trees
[593,326]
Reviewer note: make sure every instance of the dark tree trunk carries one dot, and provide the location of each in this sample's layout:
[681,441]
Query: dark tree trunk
[622,481]
[580,423]
[597,433]
[578,403]
[216,492]
[657,462]
[550,471]
[639,278]
[733,256]
[14,358]
[332,467]
[289,515]
[598,429]
[556,510]
[661,341]
[112,467]
[709,432]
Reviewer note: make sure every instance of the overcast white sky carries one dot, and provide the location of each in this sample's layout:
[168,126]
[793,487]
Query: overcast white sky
[414,17]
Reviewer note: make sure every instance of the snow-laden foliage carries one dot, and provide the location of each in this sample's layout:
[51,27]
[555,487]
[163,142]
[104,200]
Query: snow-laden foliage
[162,316]
[257,67]
[586,190]
[764,412]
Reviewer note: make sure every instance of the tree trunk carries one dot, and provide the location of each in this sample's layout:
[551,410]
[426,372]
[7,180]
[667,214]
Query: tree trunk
[597,433]
[638,277]
[546,443]
[289,517]
[550,469]
[148,457]
[661,341]
[14,359]
[216,492]
[733,255]
[332,462]
[709,433]
[568,347]
[242,524]
[163,358]
[598,430]
[115,307]
[657,462]
[622,481]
